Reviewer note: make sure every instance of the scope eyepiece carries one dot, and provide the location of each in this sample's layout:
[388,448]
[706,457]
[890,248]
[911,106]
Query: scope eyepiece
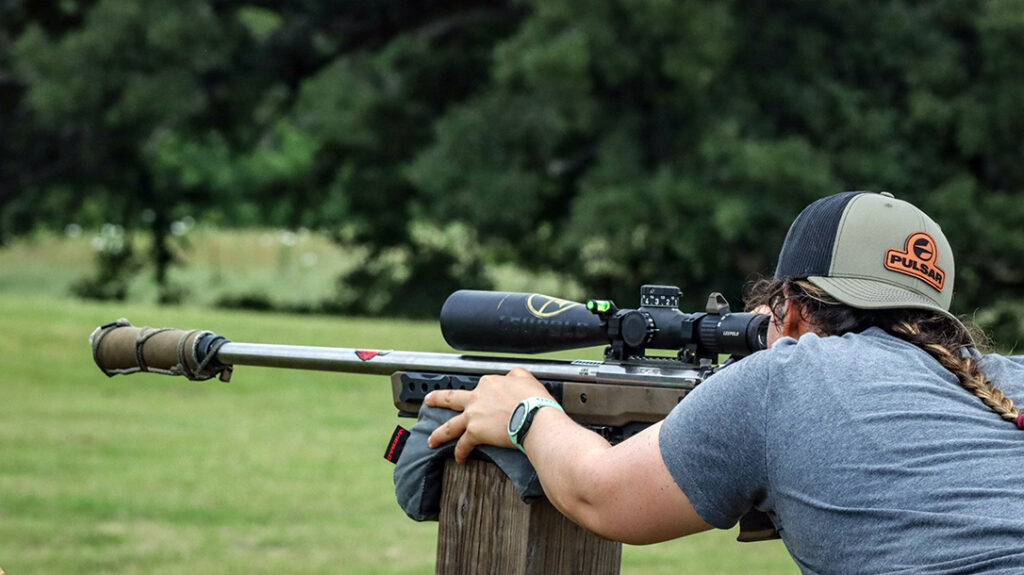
[734,333]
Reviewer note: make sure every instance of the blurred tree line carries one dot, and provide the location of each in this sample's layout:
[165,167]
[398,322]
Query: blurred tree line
[615,142]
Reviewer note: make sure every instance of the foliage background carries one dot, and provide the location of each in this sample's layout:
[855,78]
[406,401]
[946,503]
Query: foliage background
[608,143]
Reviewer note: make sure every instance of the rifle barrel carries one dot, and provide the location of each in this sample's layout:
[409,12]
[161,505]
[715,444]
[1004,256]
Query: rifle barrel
[386,362]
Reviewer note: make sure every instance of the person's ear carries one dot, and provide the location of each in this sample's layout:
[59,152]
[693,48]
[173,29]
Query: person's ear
[792,319]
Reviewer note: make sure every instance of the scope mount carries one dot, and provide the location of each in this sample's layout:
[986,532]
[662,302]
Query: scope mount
[633,331]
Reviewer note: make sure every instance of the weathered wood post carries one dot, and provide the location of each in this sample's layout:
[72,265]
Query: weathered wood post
[484,527]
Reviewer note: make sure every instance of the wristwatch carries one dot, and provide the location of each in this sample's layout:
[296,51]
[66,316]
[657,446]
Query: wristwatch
[522,418]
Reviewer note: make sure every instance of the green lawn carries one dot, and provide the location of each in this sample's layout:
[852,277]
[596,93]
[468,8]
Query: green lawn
[286,268]
[276,472]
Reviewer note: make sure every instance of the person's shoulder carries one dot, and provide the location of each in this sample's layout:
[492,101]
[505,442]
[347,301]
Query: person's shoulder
[759,366]
[871,337]
[784,350]
[818,349]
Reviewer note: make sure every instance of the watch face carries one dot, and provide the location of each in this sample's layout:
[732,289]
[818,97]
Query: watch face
[516,421]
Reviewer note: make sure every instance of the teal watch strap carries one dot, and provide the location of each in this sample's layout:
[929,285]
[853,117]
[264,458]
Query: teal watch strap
[522,418]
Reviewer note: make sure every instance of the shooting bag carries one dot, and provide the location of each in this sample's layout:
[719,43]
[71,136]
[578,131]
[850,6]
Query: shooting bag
[420,469]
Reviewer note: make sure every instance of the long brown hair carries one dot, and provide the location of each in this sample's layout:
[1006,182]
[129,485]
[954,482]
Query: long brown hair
[937,334]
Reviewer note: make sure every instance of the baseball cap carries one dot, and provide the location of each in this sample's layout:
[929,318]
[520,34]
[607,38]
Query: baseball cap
[870,251]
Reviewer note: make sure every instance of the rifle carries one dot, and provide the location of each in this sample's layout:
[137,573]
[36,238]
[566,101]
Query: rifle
[617,397]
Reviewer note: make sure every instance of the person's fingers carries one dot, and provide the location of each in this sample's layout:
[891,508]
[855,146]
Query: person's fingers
[464,447]
[485,411]
[489,380]
[449,398]
[519,372]
[448,431]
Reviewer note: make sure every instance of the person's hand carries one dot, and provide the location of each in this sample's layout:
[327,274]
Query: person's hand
[485,411]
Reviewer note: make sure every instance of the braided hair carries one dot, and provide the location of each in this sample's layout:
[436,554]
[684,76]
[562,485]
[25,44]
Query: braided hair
[935,333]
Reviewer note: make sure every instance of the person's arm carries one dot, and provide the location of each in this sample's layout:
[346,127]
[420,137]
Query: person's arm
[624,493]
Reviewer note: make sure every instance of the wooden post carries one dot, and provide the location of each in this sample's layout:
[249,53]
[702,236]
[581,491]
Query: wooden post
[484,527]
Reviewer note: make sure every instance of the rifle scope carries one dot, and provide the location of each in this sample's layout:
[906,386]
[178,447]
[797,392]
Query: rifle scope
[511,322]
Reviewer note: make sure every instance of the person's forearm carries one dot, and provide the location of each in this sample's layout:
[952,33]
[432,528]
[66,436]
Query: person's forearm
[624,493]
[563,453]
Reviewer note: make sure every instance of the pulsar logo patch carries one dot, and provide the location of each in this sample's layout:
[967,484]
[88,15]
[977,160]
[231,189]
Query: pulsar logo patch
[544,306]
[918,259]
[368,354]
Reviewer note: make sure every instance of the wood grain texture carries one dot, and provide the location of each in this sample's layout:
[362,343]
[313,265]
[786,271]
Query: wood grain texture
[485,528]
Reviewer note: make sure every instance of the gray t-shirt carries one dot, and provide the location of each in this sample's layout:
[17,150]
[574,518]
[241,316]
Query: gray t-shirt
[867,454]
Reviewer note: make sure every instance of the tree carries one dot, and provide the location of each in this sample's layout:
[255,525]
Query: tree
[119,91]
[629,142]
[615,145]
[271,112]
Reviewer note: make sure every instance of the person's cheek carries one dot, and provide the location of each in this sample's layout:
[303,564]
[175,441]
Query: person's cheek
[774,331]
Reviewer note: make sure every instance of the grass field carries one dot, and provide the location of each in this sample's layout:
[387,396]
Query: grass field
[276,472]
[286,268]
